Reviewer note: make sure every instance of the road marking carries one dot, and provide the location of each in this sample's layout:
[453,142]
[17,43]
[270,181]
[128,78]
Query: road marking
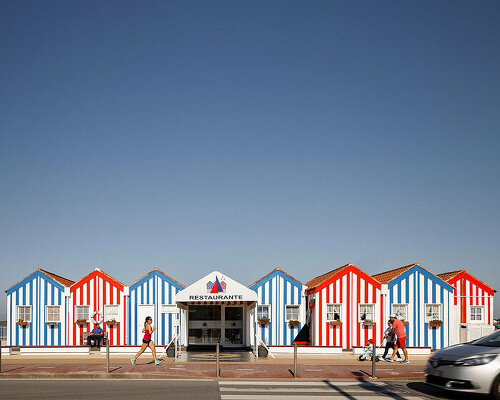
[314,370]
[182,368]
[305,383]
[309,390]
[305,397]
[244,369]
[45,367]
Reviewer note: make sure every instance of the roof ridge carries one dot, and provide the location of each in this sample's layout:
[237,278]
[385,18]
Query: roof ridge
[274,270]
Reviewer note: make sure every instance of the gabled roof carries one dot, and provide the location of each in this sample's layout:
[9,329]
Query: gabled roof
[315,282]
[387,276]
[392,276]
[447,276]
[59,281]
[95,272]
[277,269]
[157,271]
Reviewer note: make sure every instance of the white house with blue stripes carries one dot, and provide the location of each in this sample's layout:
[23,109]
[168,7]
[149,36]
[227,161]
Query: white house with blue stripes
[153,296]
[280,307]
[37,309]
[423,301]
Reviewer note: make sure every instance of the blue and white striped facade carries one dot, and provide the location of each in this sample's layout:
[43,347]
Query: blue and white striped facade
[37,291]
[277,290]
[417,287]
[156,289]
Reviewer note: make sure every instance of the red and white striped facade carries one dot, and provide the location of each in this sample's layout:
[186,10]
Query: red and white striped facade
[348,287]
[97,290]
[469,292]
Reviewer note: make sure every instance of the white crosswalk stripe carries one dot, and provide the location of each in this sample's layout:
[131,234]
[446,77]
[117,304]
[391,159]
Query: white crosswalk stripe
[296,390]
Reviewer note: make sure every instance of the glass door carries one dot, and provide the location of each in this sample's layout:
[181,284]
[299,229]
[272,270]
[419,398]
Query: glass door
[204,325]
[233,326]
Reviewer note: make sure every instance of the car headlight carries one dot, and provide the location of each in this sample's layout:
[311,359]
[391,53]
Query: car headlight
[477,360]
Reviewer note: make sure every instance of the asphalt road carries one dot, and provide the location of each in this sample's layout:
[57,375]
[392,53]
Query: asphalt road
[208,390]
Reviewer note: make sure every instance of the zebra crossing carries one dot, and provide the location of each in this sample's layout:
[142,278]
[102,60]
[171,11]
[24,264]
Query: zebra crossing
[281,390]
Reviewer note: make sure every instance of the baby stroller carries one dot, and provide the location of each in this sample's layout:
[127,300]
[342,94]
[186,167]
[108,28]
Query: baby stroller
[368,352]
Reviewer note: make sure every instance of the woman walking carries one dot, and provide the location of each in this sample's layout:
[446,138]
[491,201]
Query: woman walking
[390,339]
[147,342]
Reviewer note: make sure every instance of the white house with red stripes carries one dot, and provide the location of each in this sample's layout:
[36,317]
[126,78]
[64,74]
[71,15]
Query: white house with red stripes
[215,309]
[474,301]
[98,298]
[344,308]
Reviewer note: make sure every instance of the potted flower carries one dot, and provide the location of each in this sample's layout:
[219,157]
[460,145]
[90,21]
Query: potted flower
[262,352]
[263,321]
[368,322]
[337,322]
[435,323]
[293,323]
[22,322]
[81,322]
[111,322]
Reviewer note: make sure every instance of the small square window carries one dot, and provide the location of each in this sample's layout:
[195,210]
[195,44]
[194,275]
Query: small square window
[333,312]
[432,312]
[53,314]
[111,312]
[292,313]
[82,313]
[401,311]
[366,312]
[263,312]
[24,313]
[476,313]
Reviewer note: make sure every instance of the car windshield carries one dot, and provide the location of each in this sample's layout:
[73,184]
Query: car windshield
[492,340]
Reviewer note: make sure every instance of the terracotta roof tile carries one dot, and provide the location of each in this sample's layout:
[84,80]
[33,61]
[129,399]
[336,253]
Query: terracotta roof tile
[446,276]
[322,278]
[274,270]
[57,278]
[387,276]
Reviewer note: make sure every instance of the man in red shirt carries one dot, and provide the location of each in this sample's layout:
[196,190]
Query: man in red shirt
[399,329]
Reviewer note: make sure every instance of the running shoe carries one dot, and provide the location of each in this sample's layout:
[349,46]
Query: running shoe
[158,362]
[389,359]
[132,360]
[405,362]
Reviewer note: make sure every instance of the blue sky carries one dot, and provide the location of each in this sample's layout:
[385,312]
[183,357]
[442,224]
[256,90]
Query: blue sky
[240,136]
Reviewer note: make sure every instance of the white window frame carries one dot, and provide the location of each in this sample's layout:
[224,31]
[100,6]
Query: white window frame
[268,306]
[405,305]
[77,314]
[294,307]
[113,317]
[440,311]
[482,308]
[372,312]
[47,319]
[334,312]
[24,313]
[169,309]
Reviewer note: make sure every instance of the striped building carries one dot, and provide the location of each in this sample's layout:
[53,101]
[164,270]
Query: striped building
[280,301]
[96,297]
[37,310]
[345,308]
[153,295]
[418,297]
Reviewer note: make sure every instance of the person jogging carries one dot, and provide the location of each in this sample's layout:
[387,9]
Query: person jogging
[390,339]
[399,329]
[147,342]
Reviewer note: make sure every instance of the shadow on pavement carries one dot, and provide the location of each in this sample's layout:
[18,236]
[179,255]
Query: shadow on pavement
[423,388]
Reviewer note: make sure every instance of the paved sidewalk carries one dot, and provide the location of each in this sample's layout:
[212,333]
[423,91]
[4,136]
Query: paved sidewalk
[343,367]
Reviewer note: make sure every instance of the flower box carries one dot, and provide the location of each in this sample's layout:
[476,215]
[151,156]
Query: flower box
[368,322]
[293,323]
[22,323]
[335,323]
[263,321]
[81,322]
[435,323]
[110,323]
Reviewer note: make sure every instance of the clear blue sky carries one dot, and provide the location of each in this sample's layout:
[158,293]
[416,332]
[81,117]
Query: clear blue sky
[245,135]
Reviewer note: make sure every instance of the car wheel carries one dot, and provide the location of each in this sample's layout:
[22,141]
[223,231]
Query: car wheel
[495,388]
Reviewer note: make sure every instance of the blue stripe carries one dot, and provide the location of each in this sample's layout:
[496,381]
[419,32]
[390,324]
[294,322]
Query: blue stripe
[285,336]
[163,315]
[18,340]
[32,309]
[61,324]
[271,322]
[46,290]
[399,292]
[426,329]
[415,312]
[52,330]
[442,328]
[136,322]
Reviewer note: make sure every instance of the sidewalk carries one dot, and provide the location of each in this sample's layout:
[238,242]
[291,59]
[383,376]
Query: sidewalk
[338,367]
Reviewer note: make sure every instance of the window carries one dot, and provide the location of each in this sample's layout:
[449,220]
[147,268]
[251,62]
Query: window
[53,314]
[111,312]
[366,312]
[82,313]
[24,313]
[401,311]
[432,312]
[292,313]
[476,313]
[263,312]
[333,312]
[168,309]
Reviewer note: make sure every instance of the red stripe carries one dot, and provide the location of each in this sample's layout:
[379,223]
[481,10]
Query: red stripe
[72,322]
[374,329]
[320,316]
[381,317]
[348,313]
[335,330]
[118,337]
[358,300]
[327,325]
[489,310]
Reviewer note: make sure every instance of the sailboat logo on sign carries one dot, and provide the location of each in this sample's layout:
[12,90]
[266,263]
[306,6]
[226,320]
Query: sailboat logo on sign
[217,286]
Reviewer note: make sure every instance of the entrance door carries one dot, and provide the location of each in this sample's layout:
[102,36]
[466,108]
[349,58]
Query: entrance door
[143,311]
[204,324]
[233,326]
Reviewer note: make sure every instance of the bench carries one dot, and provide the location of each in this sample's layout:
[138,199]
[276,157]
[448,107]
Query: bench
[83,339]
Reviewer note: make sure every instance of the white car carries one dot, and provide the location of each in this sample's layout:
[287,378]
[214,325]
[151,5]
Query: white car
[470,367]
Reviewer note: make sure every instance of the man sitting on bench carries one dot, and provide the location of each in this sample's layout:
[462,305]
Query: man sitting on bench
[96,335]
